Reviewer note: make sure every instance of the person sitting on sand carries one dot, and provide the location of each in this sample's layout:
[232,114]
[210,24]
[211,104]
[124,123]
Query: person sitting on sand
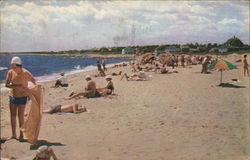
[109,89]
[136,77]
[89,92]
[74,108]
[62,81]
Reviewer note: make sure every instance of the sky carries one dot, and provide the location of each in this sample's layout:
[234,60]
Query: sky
[66,25]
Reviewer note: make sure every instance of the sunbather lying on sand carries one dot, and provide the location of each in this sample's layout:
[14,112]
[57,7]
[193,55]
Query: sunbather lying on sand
[89,92]
[116,74]
[136,77]
[101,73]
[164,70]
[74,108]
[109,89]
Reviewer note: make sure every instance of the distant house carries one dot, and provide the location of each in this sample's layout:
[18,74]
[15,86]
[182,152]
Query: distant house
[223,50]
[194,50]
[214,50]
[171,49]
[184,48]
[128,51]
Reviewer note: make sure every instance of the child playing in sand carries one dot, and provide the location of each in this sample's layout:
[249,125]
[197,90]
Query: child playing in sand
[75,108]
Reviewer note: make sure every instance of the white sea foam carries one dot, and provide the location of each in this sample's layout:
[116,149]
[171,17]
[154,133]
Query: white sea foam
[3,68]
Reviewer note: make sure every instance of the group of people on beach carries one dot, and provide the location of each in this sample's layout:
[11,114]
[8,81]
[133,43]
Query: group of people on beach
[17,80]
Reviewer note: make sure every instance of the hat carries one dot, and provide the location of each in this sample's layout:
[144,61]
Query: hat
[43,152]
[87,77]
[62,73]
[108,77]
[16,60]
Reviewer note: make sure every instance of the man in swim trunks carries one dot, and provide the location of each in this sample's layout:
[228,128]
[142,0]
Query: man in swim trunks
[89,92]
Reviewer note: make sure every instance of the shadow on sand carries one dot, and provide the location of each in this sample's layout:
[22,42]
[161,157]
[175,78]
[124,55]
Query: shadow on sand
[228,85]
[45,143]
[203,73]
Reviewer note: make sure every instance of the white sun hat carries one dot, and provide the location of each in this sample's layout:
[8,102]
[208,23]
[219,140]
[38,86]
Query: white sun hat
[108,77]
[87,77]
[16,60]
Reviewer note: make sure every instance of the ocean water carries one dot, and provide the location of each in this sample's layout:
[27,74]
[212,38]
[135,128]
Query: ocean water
[46,67]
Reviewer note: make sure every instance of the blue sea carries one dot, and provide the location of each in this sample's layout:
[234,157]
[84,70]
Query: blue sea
[47,67]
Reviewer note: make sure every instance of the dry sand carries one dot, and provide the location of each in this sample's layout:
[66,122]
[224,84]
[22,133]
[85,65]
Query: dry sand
[183,116]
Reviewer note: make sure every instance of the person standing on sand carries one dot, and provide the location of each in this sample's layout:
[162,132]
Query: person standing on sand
[205,63]
[246,65]
[176,61]
[104,64]
[99,67]
[17,80]
[182,61]
[173,61]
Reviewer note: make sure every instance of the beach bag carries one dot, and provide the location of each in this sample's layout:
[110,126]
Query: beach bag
[32,124]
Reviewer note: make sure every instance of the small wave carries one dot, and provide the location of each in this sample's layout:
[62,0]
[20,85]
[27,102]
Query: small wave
[77,67]
[3,68]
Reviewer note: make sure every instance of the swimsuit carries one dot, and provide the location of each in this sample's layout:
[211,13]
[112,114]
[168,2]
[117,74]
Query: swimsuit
[55,109]
[18,100]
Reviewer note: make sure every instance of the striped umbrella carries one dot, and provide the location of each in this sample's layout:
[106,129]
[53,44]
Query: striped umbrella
[221,65]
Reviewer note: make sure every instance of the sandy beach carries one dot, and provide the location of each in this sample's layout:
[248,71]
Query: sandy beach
[178,116]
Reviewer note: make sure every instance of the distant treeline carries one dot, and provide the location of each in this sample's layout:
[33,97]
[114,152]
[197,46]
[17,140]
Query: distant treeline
[232,45]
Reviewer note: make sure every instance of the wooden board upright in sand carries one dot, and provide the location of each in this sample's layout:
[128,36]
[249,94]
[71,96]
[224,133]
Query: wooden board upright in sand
[32,124]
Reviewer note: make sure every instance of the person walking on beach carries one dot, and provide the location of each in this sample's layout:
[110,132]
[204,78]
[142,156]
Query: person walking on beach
[176,61]
[182,61]
[246,65]
[99,67]
[205,64]
[17,80]
[104,64]
[173,61]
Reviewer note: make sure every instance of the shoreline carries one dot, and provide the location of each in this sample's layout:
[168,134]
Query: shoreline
[69,74]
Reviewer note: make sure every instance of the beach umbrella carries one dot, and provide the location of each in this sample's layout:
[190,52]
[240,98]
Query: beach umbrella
[221,65]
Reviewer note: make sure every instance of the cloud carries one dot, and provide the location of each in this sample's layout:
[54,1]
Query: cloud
[97,23]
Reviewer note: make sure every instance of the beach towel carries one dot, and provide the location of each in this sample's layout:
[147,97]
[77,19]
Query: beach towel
[32,124]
